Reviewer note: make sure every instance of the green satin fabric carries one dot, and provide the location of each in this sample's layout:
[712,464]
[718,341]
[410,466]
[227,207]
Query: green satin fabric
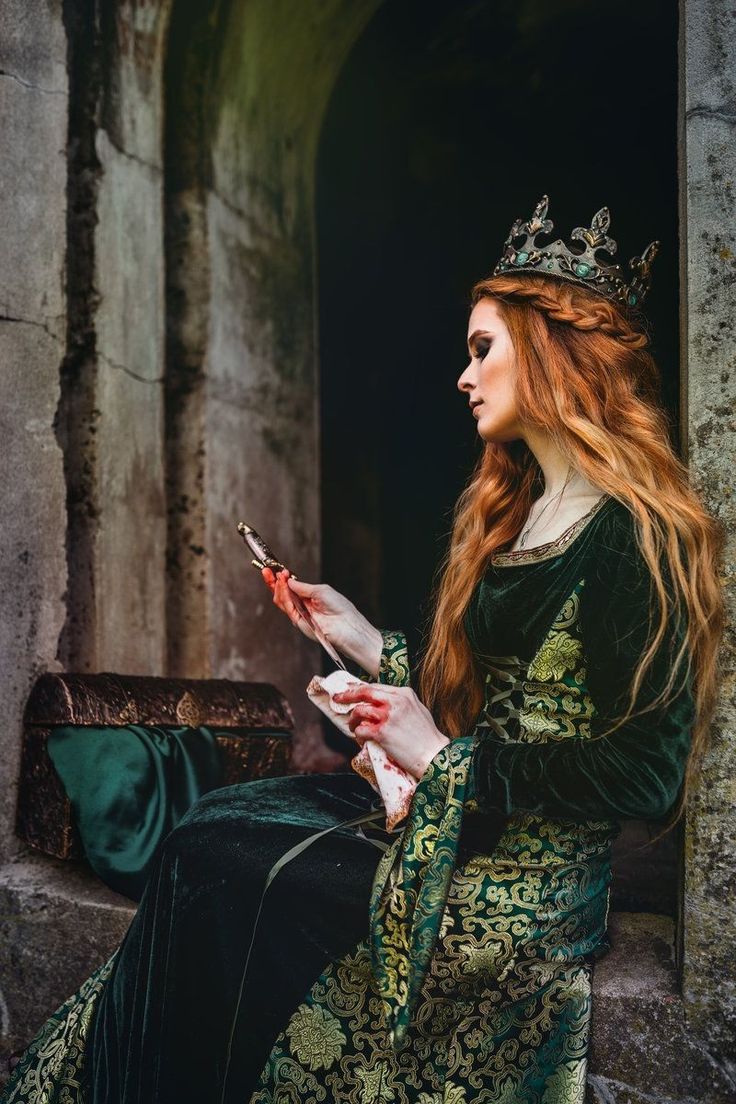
[129,787]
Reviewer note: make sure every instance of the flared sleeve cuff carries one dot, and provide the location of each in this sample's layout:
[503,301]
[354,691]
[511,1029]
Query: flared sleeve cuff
[412,883]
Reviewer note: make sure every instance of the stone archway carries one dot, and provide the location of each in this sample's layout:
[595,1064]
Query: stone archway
[195,344]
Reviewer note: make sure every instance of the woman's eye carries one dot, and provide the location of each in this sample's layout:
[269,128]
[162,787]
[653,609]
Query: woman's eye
[481,351]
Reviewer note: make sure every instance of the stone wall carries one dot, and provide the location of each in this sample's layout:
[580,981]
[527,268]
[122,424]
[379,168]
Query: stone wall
[708,288]
[261,390]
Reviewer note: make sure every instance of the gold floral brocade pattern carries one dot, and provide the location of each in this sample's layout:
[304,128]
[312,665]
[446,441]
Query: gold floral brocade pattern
[50,1071]
[547,697]
[315,1037]
[504,1011]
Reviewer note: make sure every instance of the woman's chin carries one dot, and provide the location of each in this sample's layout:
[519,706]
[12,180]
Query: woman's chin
[496,434]
[487,428]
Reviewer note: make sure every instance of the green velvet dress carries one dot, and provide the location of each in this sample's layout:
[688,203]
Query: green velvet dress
[288,950]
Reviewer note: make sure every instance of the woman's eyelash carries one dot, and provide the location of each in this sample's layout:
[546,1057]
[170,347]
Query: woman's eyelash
[481,351]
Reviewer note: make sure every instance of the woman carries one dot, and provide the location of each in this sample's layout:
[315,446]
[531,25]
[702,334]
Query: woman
[567,684]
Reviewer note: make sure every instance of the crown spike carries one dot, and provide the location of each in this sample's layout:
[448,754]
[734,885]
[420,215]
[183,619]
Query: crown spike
[642,269]
[601,220]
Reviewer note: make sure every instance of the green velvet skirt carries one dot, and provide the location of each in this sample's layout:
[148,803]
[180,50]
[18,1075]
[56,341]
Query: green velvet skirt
[246,974]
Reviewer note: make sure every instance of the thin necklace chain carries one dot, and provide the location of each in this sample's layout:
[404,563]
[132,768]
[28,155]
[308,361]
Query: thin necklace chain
[556,497]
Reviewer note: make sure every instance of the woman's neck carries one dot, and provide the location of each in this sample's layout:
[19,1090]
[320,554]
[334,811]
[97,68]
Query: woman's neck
[556,469]
[567,495]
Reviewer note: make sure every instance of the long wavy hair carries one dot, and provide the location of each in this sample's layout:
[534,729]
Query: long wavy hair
[585,375]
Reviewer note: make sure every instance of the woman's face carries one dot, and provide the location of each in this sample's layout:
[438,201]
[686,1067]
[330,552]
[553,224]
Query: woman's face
[489,379]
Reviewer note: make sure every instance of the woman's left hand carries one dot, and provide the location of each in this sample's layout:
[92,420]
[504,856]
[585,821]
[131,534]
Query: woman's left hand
[395,718]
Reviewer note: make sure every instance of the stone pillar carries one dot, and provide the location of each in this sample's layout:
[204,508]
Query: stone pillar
[708,158]
[123,627]
[33,107]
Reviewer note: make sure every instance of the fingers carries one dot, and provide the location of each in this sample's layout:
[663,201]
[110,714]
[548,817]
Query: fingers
[368,732]
[277,585]
[305,590]
[283,599]
[364,714]
[365,693]
[376,693]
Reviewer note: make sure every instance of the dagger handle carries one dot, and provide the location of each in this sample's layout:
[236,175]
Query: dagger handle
[259,548]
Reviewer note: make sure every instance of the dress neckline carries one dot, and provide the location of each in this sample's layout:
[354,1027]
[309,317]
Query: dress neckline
[550,549]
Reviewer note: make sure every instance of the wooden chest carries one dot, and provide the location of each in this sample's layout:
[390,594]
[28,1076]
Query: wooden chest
[253,722]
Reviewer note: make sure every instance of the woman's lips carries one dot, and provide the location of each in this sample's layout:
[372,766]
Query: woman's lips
[475,408]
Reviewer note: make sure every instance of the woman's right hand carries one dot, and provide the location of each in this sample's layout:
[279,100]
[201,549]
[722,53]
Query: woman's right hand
[342,623]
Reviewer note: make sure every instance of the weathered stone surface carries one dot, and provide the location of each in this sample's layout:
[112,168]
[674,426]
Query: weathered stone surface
[33,107]
[58,923]
[262,449]
[262,426]
[134,36]
[709,972]
[643,1047]
[130,543]
[33,563]
[187,297]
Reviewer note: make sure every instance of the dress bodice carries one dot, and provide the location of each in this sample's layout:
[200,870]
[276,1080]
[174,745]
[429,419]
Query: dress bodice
[525,626]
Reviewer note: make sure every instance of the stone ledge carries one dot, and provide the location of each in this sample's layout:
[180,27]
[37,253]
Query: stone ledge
[642,1050]
[58,923]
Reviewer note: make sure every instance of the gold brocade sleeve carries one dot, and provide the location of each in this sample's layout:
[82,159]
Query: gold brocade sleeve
[393,667]
[412,882]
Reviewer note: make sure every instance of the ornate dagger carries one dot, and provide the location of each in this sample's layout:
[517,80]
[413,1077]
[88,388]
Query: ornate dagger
[264,557]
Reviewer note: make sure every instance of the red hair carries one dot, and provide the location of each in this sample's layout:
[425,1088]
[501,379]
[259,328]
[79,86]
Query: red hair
[583,374]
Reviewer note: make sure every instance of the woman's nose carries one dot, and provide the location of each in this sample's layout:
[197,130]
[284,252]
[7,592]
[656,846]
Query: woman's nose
[465,381]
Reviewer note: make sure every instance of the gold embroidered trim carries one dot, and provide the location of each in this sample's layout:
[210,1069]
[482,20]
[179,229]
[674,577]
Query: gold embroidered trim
[552,548]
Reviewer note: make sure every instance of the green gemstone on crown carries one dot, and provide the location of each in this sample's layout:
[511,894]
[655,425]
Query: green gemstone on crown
[551,264]
[582,269]
[521,258]
[632,298]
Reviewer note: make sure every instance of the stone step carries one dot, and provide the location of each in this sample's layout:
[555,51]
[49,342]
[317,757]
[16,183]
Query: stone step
[58,923]
[642,1051]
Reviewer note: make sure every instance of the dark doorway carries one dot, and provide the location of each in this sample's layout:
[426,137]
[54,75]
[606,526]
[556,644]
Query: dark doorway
[449,121]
